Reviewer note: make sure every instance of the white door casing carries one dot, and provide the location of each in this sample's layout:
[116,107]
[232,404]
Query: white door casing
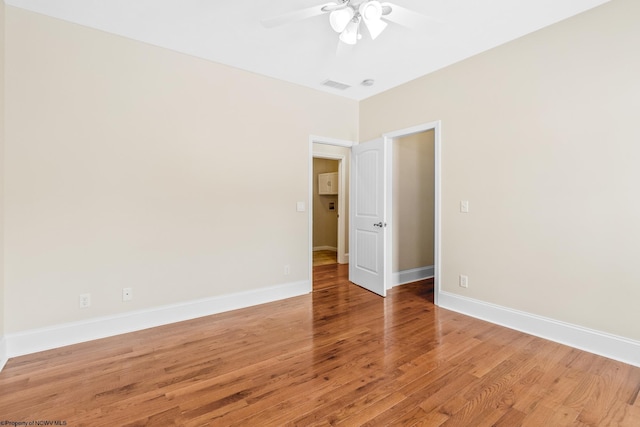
[437,252]
[368,259]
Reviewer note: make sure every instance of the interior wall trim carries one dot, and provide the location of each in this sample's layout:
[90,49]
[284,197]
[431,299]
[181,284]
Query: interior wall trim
[412,275]
[47,338]
[596,342]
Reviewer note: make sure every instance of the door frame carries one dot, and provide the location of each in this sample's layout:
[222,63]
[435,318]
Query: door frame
[437,232]
[315,139]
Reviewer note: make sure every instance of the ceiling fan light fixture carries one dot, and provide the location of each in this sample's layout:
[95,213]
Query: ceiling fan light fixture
[375,27]
[350,33]
[371,10]
[371,13]
[339,19]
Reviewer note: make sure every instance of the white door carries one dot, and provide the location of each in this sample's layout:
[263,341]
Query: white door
[369,232]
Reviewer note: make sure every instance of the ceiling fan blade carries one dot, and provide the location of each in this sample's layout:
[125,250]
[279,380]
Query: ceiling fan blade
[330,7]
[405,17]
[299,15]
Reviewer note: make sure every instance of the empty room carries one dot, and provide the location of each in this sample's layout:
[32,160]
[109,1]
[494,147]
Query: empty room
[157,191]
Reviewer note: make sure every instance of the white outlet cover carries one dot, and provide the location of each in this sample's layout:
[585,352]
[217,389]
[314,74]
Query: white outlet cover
[84,300]
[463,281]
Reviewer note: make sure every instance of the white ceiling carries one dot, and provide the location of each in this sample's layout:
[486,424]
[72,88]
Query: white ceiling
[304,52]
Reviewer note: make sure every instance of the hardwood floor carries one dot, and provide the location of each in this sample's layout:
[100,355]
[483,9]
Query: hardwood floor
[324,257]
[339,356]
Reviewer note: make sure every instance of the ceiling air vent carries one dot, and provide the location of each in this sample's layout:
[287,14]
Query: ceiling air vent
[335,85]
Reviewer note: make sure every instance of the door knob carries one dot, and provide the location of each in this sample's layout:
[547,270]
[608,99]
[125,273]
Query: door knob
[380,224]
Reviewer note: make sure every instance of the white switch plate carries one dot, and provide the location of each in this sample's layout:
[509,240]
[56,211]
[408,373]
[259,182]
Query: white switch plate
[464,206]
[300,206]
[127,294]
[463,281]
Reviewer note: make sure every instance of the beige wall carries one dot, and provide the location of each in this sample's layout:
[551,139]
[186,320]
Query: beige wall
[325,221]
[413,201]
[129,165]
[2,167]
[541,136]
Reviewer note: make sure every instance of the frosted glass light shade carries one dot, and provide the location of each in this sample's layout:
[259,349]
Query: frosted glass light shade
[350,33]
[371,10]
[371,13]
[339,19]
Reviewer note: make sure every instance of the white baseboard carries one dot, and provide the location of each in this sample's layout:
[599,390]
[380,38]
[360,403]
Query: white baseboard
[35,340]
[412,275]
[344,259]
[3,352]
[325,248]
[601,343]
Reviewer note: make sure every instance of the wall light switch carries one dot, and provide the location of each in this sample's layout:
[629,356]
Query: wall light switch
[464,206]
[300,206]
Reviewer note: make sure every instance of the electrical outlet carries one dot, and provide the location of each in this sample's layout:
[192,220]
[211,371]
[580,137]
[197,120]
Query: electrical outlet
[127,294]
[287,270]
[84,300]
[463,281]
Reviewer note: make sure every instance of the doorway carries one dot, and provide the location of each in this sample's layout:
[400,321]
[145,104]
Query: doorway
[325,210]
[429,135]
[322,147]
[340,152]
[413,207]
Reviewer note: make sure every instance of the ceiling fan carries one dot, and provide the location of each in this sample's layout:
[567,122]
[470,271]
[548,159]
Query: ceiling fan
[345,17]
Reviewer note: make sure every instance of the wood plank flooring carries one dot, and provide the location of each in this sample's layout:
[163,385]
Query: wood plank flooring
[340,356]
[324,257]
